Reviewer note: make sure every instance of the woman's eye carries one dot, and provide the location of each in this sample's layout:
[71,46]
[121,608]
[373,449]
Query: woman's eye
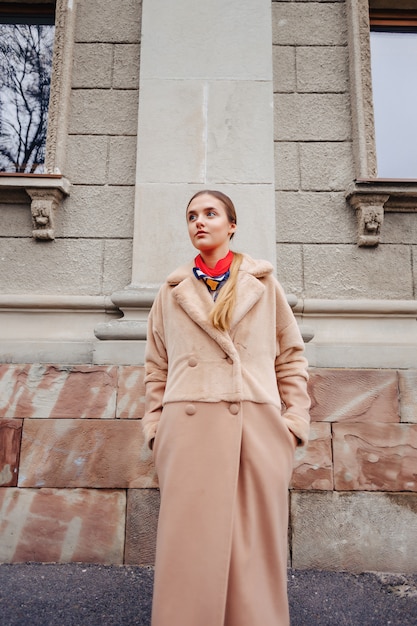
[191,218]
[211,213]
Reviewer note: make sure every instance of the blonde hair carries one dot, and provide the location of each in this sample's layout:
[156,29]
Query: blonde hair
[222,311]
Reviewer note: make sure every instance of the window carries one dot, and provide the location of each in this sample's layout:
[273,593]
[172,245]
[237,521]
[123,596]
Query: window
[26,47]
[393,41]
[385,160]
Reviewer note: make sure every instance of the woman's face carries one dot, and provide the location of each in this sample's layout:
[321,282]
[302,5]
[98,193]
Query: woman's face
[208,225]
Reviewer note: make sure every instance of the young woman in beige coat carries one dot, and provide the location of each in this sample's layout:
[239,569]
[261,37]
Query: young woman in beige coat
[226,405]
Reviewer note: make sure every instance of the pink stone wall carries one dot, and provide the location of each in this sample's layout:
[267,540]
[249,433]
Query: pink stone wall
[77,482]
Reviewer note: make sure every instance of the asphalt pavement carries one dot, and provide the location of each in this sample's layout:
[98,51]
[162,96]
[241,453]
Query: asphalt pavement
[73,594]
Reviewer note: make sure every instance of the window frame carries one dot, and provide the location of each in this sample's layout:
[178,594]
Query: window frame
[369,195]
[48,190]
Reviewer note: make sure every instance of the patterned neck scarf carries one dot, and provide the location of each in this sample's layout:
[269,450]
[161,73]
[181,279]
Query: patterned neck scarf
[213,283]
[215,277]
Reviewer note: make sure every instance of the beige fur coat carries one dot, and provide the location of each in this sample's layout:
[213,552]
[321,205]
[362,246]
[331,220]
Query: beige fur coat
[260,360]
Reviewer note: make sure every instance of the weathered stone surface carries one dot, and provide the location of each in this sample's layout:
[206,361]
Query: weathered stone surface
[311,117]
[67,525]
[92,65]
[85,157]
[290,267]
[326,166]
[283,63]
[10,435]
[375,457]
[60,267]
[322,69]
[85,453]
[287,166]
[16,219]
[117,264]
[126,66]
[383,272]
[313,217]
[354,395]
[110,209]
[313,465]
[141,525]
[96,21]
[408,395]
[58,391]
[306,23]
[104,112]
[122,166]
[130,392]
[355,532]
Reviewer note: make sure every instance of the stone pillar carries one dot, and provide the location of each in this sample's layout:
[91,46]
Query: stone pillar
[205,121]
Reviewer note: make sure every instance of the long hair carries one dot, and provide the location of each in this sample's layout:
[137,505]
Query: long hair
[222,311]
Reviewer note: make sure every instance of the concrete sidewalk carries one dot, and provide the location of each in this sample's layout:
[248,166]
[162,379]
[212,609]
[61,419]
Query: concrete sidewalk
[96,595]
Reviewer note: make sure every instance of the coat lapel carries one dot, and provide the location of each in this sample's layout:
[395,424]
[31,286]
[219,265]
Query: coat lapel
[194,299]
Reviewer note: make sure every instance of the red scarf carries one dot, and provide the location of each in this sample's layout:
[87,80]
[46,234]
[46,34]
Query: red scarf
[221,266]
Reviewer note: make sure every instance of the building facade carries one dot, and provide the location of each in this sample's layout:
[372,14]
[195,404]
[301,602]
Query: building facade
[152,100]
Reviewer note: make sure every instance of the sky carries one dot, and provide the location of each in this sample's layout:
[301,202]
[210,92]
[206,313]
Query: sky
[394,86]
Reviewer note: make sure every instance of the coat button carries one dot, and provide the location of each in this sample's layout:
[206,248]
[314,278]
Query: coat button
[192,361]
[234,409]
[190,409]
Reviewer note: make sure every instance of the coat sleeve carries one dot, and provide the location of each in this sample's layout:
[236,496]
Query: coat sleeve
[156,368]
[291,370]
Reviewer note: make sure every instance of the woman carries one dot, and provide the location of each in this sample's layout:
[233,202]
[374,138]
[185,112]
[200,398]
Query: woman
[226,405]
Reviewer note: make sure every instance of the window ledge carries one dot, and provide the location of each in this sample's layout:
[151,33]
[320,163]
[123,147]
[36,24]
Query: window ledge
[371,198]
[46,192]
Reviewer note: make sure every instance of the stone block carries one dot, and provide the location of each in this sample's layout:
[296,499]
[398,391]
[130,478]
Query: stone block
[65,525]
[118,21]
[106,454]
[92,66]
[312,117]
[382,272]
[375,457]
[87,160]
[326,166]
[110,211]
[408,395]
[355,395]
[290,267]
[130,392]
[117,265]
[313,463]
[239,128]
[173,113]
[399,228]
[58,391]
[104,112]
[287,165]
[15,219]
[308,24]
[355,532]
[126,66]
[59,267]
[122,161]
[141,525]
[283,63]
[208,40]
[313,217]
[10,435]
[322,69]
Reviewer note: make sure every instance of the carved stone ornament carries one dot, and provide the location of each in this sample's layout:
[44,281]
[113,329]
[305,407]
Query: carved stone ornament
[370,216]
[44,204]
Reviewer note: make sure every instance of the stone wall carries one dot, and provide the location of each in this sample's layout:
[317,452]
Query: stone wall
[78,484]
[314,165]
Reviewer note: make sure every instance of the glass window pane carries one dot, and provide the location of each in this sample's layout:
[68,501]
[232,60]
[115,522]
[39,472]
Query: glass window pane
[394,85]
[25,77]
